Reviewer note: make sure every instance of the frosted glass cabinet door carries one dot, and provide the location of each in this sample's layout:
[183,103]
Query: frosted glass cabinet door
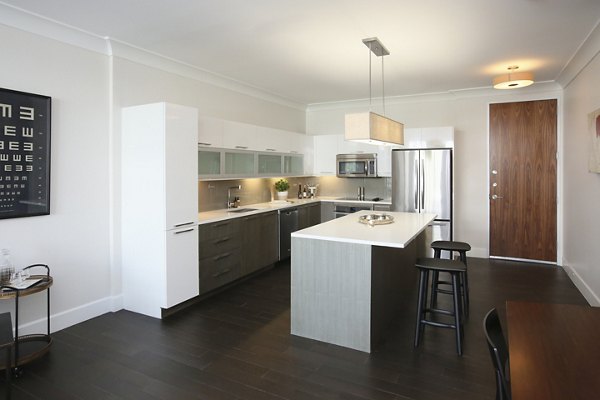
[239,163]
[269,164]
[209,162]
[293,165]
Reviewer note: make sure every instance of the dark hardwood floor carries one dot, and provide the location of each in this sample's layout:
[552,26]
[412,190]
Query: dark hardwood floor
[237,345]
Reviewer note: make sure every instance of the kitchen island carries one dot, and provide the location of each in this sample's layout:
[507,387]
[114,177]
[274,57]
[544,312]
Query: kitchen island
[350,279]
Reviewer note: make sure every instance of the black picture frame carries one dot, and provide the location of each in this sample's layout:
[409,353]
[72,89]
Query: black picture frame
[25,132]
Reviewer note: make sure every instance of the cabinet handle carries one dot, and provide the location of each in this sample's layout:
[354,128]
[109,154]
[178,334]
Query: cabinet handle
[220,224]
[241,147]
[221,256]
[184,231]
[225,271]
[271,149]
[225,239]
[184,224]
[204,144]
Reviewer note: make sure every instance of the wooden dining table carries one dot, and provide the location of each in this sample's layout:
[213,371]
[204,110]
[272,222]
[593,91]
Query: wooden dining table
[554,351]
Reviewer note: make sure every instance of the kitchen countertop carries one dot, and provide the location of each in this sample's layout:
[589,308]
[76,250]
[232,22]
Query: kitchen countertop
[399,234]
[206,217]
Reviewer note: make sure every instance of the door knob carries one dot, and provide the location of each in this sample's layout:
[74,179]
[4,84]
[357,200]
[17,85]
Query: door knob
[495,197]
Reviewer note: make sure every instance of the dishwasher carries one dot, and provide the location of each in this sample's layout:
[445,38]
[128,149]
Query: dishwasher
[288,223]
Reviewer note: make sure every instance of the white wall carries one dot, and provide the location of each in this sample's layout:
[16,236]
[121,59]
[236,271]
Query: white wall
[467,112]
[74,239]
[582,188]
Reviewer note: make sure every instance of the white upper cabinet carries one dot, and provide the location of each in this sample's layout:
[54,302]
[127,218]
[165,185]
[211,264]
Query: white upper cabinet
[210,132]
[239,136]
[273,140]
[326,148]
[351,147]
[426,138]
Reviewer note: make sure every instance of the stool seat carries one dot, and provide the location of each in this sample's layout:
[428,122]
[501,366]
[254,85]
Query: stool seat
[441,264]
[450,245]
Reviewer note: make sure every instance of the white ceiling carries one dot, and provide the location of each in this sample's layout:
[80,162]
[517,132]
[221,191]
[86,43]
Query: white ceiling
[311,51]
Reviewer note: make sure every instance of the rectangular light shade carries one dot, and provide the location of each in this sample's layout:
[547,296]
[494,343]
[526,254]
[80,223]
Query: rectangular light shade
[369,127]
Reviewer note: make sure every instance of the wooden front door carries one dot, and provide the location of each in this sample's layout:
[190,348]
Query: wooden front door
[523,180]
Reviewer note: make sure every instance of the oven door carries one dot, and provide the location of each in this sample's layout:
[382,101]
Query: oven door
[352,168]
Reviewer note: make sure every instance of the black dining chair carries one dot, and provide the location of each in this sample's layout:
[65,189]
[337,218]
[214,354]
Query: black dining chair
[499,353]
[7,343]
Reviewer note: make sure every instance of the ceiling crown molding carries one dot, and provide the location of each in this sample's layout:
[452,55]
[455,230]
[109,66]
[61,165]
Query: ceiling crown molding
[542,88]
[159,61]
[39,25]
[26,21]
[584,54]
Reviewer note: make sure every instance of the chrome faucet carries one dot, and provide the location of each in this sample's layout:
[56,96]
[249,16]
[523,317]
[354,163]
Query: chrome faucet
[236,201]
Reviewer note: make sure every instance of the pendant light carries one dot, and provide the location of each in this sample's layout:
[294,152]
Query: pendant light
[369,127]
[513,79]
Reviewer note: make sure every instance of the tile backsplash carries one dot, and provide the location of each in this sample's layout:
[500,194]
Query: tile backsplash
[212,195]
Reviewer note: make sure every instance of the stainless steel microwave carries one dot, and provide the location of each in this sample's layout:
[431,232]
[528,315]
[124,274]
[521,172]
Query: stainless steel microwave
[362,165]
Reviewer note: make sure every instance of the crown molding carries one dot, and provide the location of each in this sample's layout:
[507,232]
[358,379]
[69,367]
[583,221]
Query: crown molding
[539,88]
[37,24]
[26,21]
[142,56]
[584,54]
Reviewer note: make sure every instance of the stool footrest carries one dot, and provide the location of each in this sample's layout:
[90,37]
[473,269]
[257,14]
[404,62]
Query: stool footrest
[439,311]
[438,324]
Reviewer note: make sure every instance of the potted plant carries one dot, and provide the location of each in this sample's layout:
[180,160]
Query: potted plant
[282,186]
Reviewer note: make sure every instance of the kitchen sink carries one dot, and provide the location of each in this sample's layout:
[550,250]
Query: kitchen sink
[242,210]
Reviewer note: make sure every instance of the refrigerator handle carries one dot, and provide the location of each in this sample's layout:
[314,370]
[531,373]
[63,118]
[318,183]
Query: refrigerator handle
[417,188]
[422,186]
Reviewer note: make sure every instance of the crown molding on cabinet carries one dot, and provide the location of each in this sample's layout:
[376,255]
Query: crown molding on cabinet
[49,28]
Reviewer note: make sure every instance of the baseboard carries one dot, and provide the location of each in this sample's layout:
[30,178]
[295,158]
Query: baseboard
[75,315]
[479,252]
[583,287]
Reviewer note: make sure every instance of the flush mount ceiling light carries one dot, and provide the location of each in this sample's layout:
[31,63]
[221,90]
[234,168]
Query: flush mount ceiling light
[513,79]
[369,127]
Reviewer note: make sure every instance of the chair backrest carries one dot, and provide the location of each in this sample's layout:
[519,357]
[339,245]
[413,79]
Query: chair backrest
[498,352]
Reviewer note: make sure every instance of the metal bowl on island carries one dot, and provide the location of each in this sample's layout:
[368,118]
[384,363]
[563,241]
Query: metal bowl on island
[376,219]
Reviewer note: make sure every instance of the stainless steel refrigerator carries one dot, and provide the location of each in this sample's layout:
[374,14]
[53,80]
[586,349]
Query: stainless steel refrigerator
[422,182]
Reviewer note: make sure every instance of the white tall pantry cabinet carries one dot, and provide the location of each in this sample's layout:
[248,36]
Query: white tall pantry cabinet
[159,198]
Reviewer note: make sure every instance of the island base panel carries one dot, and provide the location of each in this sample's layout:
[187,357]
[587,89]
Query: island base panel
[347,293]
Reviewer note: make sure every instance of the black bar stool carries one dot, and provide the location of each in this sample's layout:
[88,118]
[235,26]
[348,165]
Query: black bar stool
[451,247]
[455,269]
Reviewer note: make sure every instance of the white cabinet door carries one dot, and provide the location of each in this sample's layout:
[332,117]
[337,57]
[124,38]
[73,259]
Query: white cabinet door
[384,160]
[325,152]
[210,132]
[305,145]
[181,166]
[182,276]
[272,140]
[350,147]
[239,136]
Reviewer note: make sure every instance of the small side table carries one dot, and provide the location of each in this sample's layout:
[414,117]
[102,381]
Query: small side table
[29,347]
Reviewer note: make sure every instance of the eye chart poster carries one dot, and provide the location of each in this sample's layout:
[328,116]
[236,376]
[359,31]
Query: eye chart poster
[24,154]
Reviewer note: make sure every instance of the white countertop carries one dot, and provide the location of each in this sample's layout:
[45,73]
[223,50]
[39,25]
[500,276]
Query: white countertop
[206,217]
[401,232]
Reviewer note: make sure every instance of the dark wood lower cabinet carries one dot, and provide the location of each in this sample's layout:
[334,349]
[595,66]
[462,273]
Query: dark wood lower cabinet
[259,241]
[220,254]
[309,215]
[236,247]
